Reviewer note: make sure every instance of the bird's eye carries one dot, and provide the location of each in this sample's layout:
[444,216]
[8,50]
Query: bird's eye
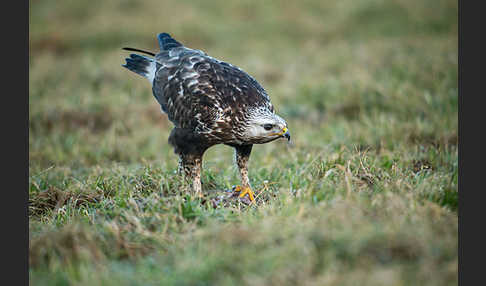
[268,126]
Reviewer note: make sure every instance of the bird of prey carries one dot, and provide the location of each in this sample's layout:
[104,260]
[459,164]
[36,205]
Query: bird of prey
[209,102]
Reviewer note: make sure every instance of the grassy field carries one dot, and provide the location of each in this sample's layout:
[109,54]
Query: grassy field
[366,195]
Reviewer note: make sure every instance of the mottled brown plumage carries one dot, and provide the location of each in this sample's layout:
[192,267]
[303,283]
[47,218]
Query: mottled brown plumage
[209,102]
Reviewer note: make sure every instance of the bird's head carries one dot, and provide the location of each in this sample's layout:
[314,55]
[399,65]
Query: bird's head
[264,126]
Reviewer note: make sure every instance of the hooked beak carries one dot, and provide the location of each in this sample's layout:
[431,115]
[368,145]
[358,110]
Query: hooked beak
[286,133]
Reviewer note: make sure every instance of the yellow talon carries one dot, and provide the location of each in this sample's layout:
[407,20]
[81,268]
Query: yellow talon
[245,191]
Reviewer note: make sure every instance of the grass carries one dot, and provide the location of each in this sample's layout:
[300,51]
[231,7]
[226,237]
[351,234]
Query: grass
[366,195]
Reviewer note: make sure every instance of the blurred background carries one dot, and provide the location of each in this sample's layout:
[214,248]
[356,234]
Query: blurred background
[345,72]
[370,92]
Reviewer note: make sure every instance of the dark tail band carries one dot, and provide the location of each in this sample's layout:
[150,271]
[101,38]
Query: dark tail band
[141,65]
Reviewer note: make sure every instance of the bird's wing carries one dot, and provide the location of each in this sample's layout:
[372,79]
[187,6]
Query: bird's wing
[204,94]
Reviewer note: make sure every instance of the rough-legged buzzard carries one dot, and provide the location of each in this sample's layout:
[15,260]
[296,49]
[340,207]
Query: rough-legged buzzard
[209,102]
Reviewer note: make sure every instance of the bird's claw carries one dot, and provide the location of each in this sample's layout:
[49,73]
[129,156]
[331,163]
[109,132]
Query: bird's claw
[243,191]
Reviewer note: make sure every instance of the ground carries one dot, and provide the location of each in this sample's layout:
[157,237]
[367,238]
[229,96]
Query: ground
[365,195]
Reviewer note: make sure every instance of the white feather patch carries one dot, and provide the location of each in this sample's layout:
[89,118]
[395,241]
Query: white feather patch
[150,71]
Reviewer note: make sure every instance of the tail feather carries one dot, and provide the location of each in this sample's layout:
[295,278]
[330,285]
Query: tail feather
[141,65]
[166,42]
[138,50]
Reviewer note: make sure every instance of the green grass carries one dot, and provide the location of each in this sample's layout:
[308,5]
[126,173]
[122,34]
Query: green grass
[366,195]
